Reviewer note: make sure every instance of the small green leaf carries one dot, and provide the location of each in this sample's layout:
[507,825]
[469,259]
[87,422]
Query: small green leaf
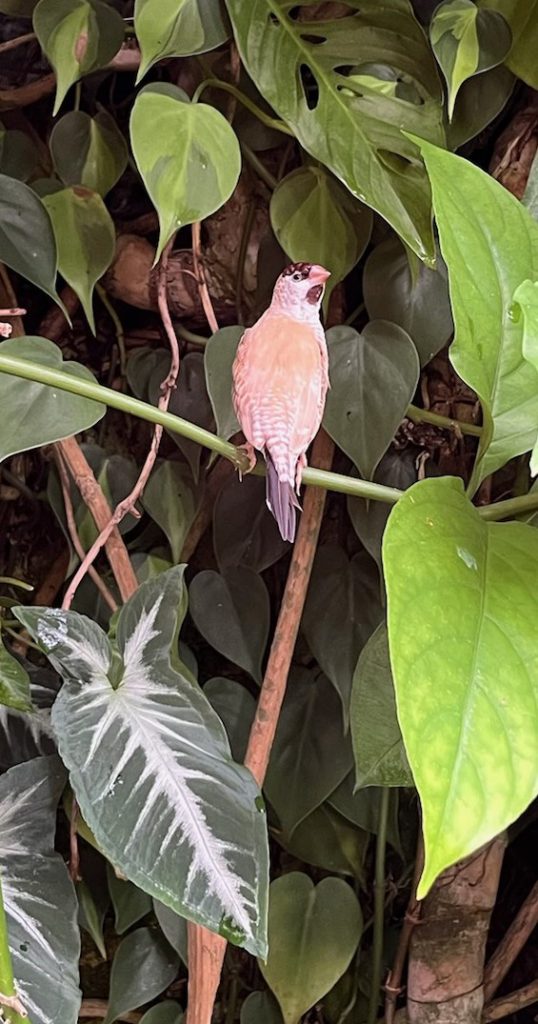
[362,807]
[14,682]
[380,758]
[420,303]
[310,757]
[470,735]
[171,499]
[91,915]
[219,355]
[487,349]
[521,16]
[260,1008]
[328,840]
[465,41]
[235,707]
[27,241]
[88,151]
[478,103]
[174,929]
[19,156]
[143,967]
[373,377]
[189,400]
[187,154]
[231,611]
[86,240]
[34,414]
[166,1012]
[178,28]
[244,531]
[315,218]
[130,903]
[314,932]
[77,36]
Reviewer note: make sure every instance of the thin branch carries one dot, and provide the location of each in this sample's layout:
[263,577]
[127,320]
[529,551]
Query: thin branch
[16,311]
[393,984]
[73,533]
[514,1001]
[266,119]
[206,949]
[511,945]
[13,44]
[201,279]
[128,505]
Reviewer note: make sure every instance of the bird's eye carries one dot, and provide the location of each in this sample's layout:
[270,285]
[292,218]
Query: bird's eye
[297,277]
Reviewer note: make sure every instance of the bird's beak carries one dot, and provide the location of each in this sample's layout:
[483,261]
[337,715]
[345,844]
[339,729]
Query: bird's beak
[318,275]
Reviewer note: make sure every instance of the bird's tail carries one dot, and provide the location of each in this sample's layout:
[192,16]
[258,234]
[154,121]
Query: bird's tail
[281,501]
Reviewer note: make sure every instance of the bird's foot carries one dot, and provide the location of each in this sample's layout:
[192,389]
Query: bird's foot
[302,463]
[249,452]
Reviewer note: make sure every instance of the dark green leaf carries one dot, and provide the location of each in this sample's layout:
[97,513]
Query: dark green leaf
[77,36]
[373,377]
[27,241]
[260,1008]
[521,15]
[189,400]
[476,614]
[18,154]
[187,154]
[314,932]
[377,741]
[479,101]
[143,967]
[467,40]
[219,355]
[309,756]
[26,735]
[14,682]
[178,28]
[85,240]
[231,611]
[362,807]
[369,518]
[244,531]
[349,125]
[166,1012]
[35,414]
[130,903]
[174,929]
[235,707]
[328,840]
[171,499]
[317,220]
[88,151]
[91,915]
[419,303]
[342,609]
[18,8]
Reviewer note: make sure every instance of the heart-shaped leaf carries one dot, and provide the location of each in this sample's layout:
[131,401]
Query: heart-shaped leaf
[317,220]
[219,354]
[314,932]
[189,400]
[477,614]
[14,681]
[19,155]
[187,154]
[521,16]
[27,241]
[479,101]
[85,240]
[329,841]
[351,127]
[235,707]
[487,349]
[171,499]
[380,758]
[165,1012]
[231,611]
[244,531]
[363,808]
[139,738]
[130,903]
[260,1008]
[144,965]
[342,609]
[419,302]
[44,942]
[178,28]
[88,151]
[373,377]
[174,929]
[465,41]
[309,755]
[35,414]
[77,36]
[369,518]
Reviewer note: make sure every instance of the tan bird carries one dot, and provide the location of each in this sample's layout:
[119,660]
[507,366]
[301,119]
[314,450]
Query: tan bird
[280,382]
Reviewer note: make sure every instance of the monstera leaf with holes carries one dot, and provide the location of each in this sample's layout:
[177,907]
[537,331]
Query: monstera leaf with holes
[324,79]
[151,767]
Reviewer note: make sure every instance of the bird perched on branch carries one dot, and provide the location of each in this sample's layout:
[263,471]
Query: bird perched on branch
[280,380]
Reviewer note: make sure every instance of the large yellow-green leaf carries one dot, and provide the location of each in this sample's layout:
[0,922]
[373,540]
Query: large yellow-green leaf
[313,934]
[77,36]
[327,79]
[522,16]
[177,28]
[187,154]
[462,610]
[485,266]
[89,151]
[85,238]
[467,40]
[526,296]
[316,219]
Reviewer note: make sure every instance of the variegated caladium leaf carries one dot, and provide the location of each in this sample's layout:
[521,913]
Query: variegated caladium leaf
[150,763]
[44,944]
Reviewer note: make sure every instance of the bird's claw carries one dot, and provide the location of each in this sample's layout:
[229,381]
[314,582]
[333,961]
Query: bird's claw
[246,450]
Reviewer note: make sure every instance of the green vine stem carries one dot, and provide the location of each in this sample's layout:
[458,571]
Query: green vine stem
[314,477]
[425,416]
[269,122]
[11,1008]
[379,905]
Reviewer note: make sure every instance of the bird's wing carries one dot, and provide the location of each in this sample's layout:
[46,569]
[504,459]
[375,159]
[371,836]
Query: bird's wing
[280,383]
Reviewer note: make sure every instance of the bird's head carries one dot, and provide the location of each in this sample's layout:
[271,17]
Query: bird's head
[299,290]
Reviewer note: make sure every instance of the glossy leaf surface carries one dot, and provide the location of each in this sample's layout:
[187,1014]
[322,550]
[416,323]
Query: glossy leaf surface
[177,28]
[27,242]
[88,151]
[467,40]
